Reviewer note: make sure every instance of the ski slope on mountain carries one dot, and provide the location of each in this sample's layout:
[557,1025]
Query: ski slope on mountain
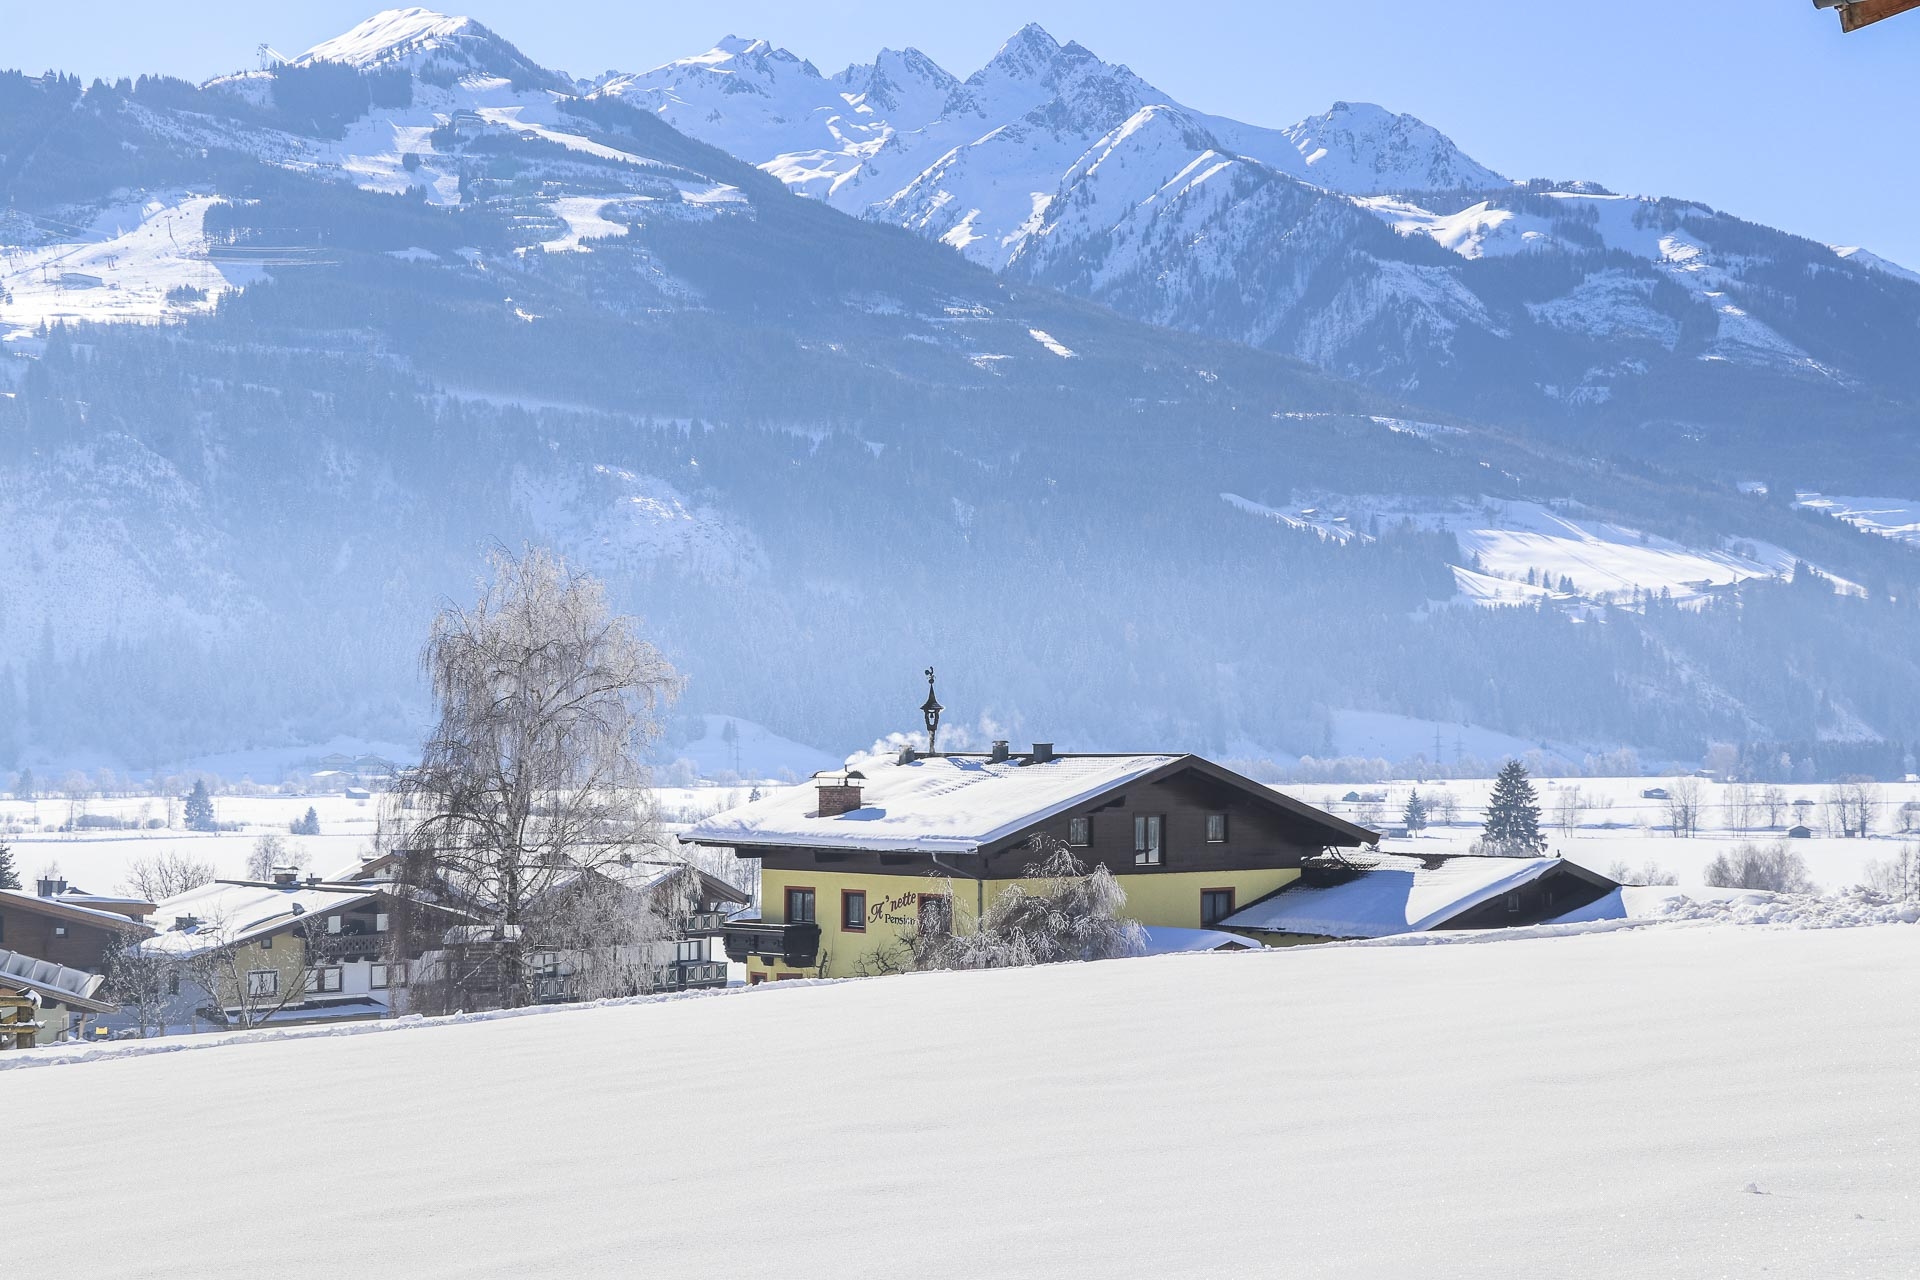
[1683,1100]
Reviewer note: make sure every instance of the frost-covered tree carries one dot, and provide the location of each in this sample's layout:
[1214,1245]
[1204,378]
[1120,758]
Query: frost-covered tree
[1684,806]
[1058,911]
[1569,806]
[1513,816]
[534,770]
[271,852]
[307,825]
[166,875]
[1773,867]
[9,874]
[200,808]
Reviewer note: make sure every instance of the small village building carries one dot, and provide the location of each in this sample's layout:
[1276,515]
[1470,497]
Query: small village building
[1394,894]
[46,1003]
[76,930]
[283,952]
[853,863]
[1800,832]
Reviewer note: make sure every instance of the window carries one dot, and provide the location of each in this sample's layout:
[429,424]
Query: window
[800,906]
[1215,905]
[1080,832]
[690,950]
[266,943]
[936,913]
[59,931]
[380,922]
[262,982]
[853,910]
[333,924]
[323,980]
[173,984]
[1513,903]
[1146,839]
[377,977]
[1216,828]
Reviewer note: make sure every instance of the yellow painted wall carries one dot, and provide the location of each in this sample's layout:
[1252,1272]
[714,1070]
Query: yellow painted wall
[1168,898]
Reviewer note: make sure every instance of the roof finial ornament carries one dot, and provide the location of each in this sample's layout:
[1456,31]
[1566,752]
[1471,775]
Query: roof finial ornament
[931,710]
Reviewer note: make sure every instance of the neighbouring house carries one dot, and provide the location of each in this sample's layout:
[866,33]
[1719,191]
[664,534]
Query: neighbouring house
[1390,894]
[76,930]
[1800,832]
[859,859]
[282,952]
[1654,793]
[46,1003]
[62,942]
[463,963]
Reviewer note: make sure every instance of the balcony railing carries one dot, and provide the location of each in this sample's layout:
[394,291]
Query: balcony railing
[338,946]
[794,944]
[685,974]
[704,924]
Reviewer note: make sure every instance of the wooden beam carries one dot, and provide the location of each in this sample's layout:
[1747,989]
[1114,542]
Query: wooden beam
[1863,13]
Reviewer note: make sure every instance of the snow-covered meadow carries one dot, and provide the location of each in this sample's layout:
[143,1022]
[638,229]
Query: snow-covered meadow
[1680,1100]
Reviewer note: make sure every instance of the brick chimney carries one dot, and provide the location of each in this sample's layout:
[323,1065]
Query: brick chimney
[840,793]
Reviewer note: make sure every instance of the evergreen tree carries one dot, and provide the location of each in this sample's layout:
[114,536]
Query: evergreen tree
[306,826]
[1415,814]
[23,785]
[200,808]
[1513,816]
[9,875]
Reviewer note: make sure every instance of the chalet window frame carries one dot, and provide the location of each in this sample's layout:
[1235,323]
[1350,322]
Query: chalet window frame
[690,951]
[813,905]
[1149,839]
[946,909]
[263,984]
[1218,820]
[850,920]
[1233,898]
[59,931]
[379,977]
[1080,832]
[319,977]
[1513,903]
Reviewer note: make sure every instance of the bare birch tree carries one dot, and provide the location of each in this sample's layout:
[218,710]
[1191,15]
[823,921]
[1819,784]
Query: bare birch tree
[534,770]
[1683,807]
[167,875]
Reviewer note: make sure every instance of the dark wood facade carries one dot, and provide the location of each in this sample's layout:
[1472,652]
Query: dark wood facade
[49,930]
[1566,887]
[1262,829]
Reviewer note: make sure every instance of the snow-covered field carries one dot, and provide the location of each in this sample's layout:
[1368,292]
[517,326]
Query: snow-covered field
[1677,1101]
[1618,824]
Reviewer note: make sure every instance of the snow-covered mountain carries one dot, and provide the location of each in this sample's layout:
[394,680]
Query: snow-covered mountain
[282,354]
[979,163]
[1054,166]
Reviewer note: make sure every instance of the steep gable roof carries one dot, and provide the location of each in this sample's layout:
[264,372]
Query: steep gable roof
[1400,895]
[963,804]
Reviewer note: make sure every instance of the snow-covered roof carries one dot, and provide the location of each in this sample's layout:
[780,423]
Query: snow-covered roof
[1164,940]
[74,987]
[235,913]
[941,804]
[64,907]
[1399,895]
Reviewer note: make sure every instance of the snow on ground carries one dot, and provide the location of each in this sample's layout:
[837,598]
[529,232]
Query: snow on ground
[1051,343]
[1506,540]
[1616,823]
[753,751]
[1678,1101]
[122,267]
[98,861]
[1896,518]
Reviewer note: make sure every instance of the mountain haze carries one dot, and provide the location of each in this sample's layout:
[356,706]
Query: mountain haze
[1194,446]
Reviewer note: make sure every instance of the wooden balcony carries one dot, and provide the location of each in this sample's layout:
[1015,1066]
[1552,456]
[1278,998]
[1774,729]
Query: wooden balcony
[794,944]
[704,924]
[351,946]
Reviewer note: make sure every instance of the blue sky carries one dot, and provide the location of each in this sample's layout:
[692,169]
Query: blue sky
[1759,107]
